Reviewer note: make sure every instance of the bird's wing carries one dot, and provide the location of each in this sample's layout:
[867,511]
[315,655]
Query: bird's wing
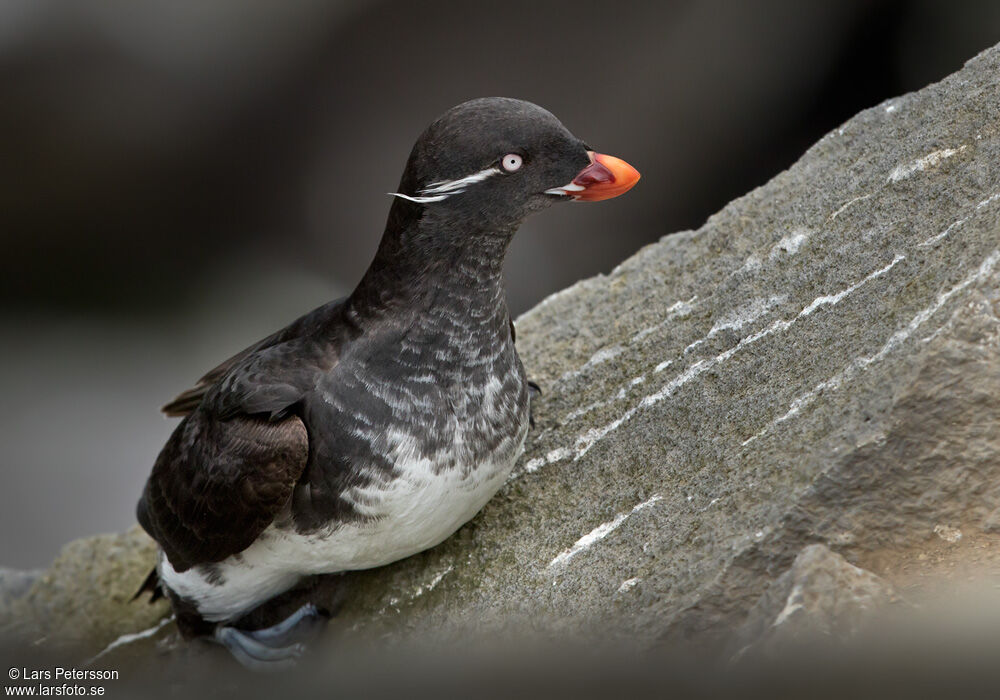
[230,467]
[190,399]
[218,484]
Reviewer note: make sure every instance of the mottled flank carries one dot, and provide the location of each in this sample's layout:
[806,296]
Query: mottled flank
[819,364]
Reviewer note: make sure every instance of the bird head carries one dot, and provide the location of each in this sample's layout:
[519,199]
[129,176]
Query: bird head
[492,161]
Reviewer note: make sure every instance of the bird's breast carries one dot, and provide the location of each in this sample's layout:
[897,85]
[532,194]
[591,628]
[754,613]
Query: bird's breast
[407,459]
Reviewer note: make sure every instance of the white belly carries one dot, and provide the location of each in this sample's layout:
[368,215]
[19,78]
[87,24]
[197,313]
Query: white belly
[415,510]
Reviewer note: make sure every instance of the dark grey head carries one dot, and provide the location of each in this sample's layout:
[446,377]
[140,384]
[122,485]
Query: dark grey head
[494,160]
[472,178]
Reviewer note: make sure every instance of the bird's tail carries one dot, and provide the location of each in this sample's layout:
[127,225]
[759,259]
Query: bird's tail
[151,584]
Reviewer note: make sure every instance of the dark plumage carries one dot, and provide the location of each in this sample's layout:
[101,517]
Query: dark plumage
[374,426]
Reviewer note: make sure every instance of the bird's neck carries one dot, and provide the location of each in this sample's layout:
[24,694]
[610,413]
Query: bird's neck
[426,264]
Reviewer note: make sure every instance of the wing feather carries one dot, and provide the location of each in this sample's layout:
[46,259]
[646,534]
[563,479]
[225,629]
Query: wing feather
[188,400]
[218,484]
[230,466]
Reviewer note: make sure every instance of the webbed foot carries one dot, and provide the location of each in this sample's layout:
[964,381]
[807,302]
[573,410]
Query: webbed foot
[272,648]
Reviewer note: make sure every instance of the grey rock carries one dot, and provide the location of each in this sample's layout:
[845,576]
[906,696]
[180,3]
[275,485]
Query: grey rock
[821,599]
[819,363]
[14,583]
[83,601]
[992,522]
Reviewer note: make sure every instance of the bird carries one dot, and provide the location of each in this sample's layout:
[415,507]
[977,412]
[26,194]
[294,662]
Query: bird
[376,425]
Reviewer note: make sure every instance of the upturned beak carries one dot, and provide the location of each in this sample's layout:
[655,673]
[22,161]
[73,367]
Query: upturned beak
[604,178]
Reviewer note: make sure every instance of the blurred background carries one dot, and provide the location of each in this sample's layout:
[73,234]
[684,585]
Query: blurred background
[178,179]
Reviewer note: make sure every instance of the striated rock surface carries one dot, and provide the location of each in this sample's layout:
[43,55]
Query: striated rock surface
[820,598]
[818,364]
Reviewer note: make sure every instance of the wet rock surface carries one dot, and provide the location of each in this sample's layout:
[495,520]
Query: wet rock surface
[819,364]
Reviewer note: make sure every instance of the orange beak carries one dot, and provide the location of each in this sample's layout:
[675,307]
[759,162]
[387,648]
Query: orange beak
[604,178]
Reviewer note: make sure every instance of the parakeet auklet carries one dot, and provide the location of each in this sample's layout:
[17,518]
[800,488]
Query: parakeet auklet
[373,427]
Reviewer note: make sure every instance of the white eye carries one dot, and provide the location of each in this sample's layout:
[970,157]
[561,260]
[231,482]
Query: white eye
[511,162]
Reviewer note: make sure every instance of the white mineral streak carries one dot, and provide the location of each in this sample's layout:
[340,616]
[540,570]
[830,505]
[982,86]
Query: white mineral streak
[573,415]
[599,357]
[901,172]
[792,603]
[600,532]
[130,638]
[740,318]
[955,224]
[432,584]
[628,584]
[860,364]
[556,455]
[848,203]
[585,441]
[423,588]
[834,299]
[680,308]
[612,351]
[750,265]
[789,244]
